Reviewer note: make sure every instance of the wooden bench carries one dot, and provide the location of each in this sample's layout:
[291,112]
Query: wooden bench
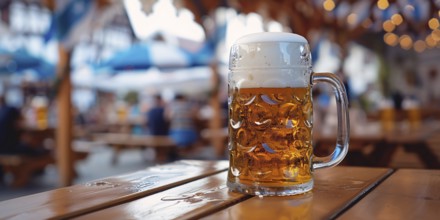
[23,167]
[120,141]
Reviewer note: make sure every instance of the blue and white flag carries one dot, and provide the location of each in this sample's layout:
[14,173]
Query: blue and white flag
[71,20]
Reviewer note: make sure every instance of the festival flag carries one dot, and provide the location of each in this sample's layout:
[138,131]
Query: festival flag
[70,21]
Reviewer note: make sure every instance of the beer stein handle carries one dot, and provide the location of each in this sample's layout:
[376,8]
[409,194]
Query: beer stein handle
[342,137]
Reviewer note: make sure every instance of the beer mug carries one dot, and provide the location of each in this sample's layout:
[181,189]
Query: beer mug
[270,116]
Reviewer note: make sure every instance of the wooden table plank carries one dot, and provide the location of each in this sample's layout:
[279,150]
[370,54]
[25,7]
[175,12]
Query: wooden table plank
[407,194]
[75,200]
[335,189]
[188,201]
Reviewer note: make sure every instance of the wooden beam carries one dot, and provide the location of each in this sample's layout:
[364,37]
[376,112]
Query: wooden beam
[216,120]
[64,128]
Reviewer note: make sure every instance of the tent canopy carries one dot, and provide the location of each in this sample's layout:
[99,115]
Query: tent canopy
[162,55]
[19,61]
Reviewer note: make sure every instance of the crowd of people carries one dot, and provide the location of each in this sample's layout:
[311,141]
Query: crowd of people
[180,117]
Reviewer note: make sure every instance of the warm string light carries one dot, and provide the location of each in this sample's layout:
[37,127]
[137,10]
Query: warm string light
[405,41]
[328,5]
[391,39]
[433,23]
[367,23]
[430,41]
[388,26]
[352,18]
[397,19]
[383,4]
[436,35]
[419,46]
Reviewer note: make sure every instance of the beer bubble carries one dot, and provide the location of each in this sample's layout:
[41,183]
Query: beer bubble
[307,110]
[268,148]
[302,51]
[237,161]
[280,97]
[235,171]
[237,113]
[260,116]
[230,146]
[304,171]
[299,145]
[298,99]
[268,100]
[246,99]
[235,124]
[261,168]
[308,123]
[290,112]
[289,124]
[247,149]
[246,138]
[302,134]
[304,54]
[279,138]
[291,172]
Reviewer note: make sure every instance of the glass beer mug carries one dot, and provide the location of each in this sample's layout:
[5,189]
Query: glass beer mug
[270,116]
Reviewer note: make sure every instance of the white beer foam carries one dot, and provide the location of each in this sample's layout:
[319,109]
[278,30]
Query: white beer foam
[271,78]
[279,66]
[271,37]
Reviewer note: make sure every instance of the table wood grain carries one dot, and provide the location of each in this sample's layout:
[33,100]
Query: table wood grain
[335,189]
[197,190]
[79,199]
[407,194]
[188,201]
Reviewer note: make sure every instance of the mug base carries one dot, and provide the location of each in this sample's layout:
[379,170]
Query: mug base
[259,190]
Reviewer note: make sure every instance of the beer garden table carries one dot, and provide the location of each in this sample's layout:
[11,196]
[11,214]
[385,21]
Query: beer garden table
[384,143]
[196,190]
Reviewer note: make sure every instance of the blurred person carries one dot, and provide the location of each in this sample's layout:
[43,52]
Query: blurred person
[433,94]
[182,115]
[397,98]
[155,118]
[11,127]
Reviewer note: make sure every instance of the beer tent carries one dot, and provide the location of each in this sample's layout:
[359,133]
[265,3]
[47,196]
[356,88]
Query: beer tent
[20,61]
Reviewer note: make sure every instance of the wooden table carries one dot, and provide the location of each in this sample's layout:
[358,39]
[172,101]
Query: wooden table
[122,141]
[196,189]
[384,144]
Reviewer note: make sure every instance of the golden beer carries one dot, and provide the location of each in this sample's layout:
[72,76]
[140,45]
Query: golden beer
[270,116]
[41,117]
[270,136]
[387,118]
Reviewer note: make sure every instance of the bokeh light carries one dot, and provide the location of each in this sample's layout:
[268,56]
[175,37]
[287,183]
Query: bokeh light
[391,39]
[405,42]
[383,4]
[397,19]
[328,5]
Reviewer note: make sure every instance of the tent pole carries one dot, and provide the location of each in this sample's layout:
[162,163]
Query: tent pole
[64,129]
[216,119]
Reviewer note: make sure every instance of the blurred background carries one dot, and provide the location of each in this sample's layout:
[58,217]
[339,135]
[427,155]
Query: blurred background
[88,71]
